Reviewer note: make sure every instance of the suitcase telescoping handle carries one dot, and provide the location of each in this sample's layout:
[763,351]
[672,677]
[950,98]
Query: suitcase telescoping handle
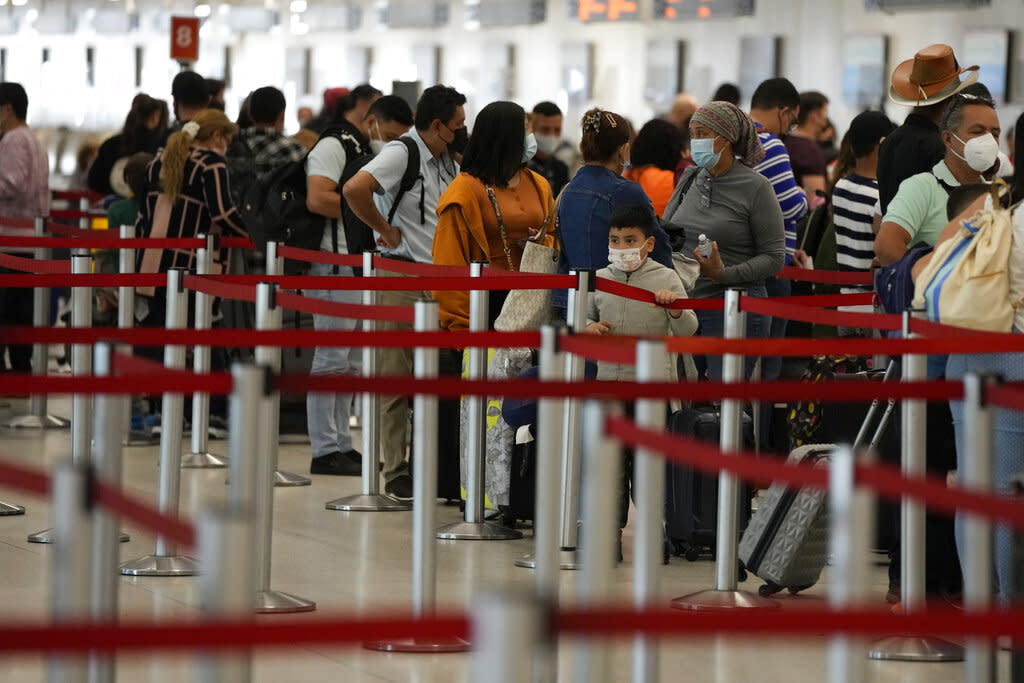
[870,417]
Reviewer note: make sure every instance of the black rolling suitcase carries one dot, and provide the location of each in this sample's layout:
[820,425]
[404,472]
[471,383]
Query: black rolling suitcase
[691,497]
[522,492]
[449,485]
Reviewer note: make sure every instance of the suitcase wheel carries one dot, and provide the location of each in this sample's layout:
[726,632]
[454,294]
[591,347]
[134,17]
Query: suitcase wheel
[793,590]
[741,573]
[692,554]
[769,589]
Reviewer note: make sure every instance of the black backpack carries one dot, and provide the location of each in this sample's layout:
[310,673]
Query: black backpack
[274,208]
[360,237]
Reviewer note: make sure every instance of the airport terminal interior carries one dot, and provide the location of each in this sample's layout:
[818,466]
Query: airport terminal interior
[83,63]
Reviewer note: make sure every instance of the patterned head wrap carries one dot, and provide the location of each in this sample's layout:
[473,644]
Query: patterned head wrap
[734,125]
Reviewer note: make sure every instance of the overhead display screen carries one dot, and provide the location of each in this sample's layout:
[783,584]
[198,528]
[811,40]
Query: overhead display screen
[893,5]
[491,13]
[594,11]
[688,10]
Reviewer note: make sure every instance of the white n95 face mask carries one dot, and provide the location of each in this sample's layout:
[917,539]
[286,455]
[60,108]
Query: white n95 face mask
[376,146]
[547,144]
[981,152]
[626,260]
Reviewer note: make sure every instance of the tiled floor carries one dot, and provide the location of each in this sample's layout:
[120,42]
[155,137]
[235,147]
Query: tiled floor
[361,562]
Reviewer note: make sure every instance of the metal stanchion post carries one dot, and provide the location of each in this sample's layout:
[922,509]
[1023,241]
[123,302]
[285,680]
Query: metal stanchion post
[275,266]
[649,479]
[914,442]
[37,417]
[268,317]
[508,630]
[126,321]
[851,520]
[226,584]
[570,433]
[200,457]
[249,384]
[600,529]
[81,364]
[72,562]
[912,528]
[725,594]
[165,561]
[977,475]
[105,535]
[371,499]
[474,527]
[424,488]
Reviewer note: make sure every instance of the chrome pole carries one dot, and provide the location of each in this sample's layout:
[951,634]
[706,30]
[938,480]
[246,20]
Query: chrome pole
[371,499]
[600,529]
[977,476]
[726,594]
[851,521]
[912,528]
[275,266]
[106,535]
[268,317]
[81,364]
[37,417]
[165,561]
[649,477]
[72,562]
[474,440]
[509,631]
[126,321]
[571,460]
[226,584]
[200,457]
[424,494]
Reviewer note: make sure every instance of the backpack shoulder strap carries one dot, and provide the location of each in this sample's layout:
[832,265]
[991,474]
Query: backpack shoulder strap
[409,178]
[680,192]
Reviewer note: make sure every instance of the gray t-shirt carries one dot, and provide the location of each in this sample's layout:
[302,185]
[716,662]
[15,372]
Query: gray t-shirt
[739,210]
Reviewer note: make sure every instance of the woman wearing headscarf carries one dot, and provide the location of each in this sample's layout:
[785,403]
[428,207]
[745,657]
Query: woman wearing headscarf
[735,207]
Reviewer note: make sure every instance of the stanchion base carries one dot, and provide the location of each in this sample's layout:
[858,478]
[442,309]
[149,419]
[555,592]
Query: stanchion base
[369,503]
[419,645]
[7,509]
[138,438]
[204,461]
[289,479]
[916,649]
[36,422]
[46,536]
[568,559]
[708,600]
[281,603]
[160,565]
[477,531]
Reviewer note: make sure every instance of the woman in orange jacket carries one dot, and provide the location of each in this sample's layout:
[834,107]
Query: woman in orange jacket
[653,157]
[491,207]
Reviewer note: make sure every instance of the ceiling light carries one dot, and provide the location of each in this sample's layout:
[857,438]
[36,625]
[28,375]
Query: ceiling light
[19,3]
[298,6]
[202,10]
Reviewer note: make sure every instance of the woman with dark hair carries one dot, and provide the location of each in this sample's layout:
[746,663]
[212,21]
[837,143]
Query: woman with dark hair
[653,158]
[142,131]
[589,198]
[492,207]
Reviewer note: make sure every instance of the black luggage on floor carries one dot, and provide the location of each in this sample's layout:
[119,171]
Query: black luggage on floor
[691,497]
[522,493]
[449,485]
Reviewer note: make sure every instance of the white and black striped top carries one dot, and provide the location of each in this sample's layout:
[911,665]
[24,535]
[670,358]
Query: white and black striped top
[853,206]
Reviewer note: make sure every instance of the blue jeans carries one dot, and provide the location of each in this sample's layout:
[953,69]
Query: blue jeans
[1008,452]
[327,415]
[712,324]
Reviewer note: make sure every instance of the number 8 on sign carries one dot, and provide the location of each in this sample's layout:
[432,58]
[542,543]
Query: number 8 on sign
[184,39]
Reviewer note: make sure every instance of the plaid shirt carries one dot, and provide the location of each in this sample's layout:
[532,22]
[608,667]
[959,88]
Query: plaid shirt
[270,149]
[204,207]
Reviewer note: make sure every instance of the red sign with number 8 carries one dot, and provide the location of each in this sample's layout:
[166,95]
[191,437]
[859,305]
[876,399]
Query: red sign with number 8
[184,39]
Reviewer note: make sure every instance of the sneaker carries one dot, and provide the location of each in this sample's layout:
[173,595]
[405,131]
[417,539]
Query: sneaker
[340,464]
[400,487]
[893,595]
[217,427]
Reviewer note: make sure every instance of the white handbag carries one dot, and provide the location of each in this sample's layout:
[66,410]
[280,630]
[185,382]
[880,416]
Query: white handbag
[528,309]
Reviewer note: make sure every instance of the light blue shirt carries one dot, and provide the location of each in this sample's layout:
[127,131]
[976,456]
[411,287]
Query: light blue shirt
[417,229]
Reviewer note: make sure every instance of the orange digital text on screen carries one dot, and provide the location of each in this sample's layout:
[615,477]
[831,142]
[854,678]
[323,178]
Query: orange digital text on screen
[611,10]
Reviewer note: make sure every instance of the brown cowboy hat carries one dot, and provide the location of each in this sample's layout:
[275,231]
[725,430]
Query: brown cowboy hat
[932,76]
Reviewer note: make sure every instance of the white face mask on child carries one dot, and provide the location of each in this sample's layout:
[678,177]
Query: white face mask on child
[626,260]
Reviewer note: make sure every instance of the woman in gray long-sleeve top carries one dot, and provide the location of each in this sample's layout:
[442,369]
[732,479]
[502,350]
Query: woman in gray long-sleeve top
[725,199]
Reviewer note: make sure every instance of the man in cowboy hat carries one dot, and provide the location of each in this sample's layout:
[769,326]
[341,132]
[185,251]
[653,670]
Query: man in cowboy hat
[926,83]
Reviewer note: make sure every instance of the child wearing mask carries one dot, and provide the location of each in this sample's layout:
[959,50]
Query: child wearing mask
[630,242]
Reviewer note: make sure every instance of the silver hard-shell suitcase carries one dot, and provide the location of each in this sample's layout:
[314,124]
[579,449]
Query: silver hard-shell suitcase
[786,541]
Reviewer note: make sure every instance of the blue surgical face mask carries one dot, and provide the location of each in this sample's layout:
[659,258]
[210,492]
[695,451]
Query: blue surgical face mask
[703,152]
[529,147]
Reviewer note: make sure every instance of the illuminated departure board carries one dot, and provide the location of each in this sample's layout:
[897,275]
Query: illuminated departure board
[687,10]
[506,12]
[594,11]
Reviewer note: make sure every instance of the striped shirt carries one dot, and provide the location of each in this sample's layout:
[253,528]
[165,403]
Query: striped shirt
[775,167]
[853,207]
[204,206]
